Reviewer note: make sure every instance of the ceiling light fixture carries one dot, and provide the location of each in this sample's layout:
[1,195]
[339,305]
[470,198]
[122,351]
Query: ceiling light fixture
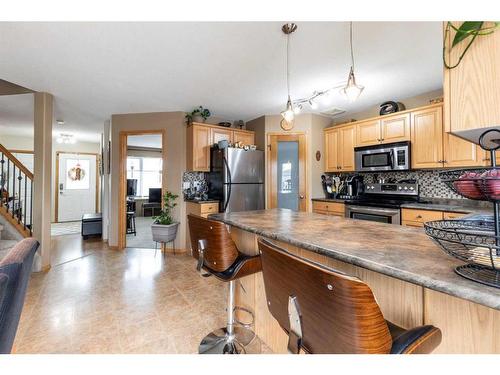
[66,139]
[288,114]
[352,90]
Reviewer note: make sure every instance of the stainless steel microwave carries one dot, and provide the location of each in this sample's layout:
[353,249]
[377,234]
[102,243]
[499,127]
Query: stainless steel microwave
[384,157]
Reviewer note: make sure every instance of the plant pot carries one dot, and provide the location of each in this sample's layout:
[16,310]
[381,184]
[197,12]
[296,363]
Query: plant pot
[164,233]
[198,118]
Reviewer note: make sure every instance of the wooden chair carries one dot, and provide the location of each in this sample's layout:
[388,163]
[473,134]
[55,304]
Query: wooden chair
[218,255]
[326,311]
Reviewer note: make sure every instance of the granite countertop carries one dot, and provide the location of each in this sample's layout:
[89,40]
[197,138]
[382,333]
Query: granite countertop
[402,252]
[438,204]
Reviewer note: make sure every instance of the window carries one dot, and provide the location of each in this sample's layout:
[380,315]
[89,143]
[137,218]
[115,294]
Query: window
[147,172]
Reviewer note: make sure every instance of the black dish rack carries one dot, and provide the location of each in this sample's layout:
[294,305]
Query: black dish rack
[475,241]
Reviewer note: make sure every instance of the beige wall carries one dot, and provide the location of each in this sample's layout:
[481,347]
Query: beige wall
[412,102]
[175,160]
[258,126]
[13,142]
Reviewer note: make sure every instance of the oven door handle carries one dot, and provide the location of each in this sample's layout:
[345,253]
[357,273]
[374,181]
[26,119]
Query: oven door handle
[364,209]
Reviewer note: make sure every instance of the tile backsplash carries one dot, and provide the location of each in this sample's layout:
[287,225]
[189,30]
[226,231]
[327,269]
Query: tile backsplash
[194,185]
[429,182]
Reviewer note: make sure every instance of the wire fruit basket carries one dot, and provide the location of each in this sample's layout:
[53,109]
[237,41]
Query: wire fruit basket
[475,241]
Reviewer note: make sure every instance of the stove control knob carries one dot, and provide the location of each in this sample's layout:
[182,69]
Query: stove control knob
[400,188]
[412,188]
[406,187]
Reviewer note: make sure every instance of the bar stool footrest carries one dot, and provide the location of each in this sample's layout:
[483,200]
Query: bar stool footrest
[248,311]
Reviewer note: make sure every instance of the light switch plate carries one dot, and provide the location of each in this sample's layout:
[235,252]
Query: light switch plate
[186,185]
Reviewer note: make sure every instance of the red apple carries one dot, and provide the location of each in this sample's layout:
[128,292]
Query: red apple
[491,183]
[469,185]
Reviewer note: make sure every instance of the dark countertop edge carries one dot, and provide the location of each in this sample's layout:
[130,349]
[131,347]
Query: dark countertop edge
[484,299]
[425,206]
[200,201]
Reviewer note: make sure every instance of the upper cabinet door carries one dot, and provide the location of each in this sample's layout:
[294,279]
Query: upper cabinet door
[247,138]
[427,138]
[331,151]
[395,128]
[199,139]
[221,135]
[347,140]
[472,89]
[368,133]
[462,153]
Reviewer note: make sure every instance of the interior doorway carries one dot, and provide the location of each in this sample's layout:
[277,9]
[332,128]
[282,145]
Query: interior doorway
[287,187]
[77,185]
[142,179]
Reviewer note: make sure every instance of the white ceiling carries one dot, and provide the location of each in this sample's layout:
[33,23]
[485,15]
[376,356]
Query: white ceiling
[235,69]
[146,140]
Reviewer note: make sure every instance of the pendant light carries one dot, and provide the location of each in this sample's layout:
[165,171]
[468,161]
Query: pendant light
[352,90]
[288,114]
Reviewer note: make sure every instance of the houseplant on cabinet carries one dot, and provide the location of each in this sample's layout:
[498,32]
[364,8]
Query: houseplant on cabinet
[164,228]
[199,114]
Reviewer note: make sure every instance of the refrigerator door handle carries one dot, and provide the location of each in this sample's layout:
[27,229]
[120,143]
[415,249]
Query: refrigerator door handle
[226,203]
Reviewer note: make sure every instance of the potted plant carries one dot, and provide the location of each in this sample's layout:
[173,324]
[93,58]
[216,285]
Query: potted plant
[164,228]
[199,114]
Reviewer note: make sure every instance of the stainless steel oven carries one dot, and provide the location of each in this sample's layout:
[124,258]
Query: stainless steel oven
[378,214]
[385,157]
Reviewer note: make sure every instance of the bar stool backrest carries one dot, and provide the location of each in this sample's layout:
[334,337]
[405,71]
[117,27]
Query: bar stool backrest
[221,251]
[338,313]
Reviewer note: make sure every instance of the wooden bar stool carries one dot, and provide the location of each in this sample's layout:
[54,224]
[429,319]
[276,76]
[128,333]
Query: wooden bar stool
[218,255]
[325,311]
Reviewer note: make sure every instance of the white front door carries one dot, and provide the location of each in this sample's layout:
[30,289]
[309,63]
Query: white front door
[76,186]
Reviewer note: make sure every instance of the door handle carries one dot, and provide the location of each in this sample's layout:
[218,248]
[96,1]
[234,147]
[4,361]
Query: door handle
[301,196]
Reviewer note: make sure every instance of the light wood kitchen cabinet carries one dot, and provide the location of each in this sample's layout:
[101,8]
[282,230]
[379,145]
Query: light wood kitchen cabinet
[202,209]
[385,129]
[198,148]
[244,136]
[221,134]
[331,150]
[427,138]
[200,137]
[347,140]
[329,208]
[461,153]
[471,90]
[412,217]
[339,149]
[395,128]
[368,133]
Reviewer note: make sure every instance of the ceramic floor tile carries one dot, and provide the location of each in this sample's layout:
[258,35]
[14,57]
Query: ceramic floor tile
[119,302]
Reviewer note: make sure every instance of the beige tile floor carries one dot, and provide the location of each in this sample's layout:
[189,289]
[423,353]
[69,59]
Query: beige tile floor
[120,302]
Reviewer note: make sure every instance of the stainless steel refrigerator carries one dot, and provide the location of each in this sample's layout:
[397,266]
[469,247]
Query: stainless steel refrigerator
[236,179]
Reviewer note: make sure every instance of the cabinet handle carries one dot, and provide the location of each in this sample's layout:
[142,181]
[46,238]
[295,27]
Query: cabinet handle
[419,216]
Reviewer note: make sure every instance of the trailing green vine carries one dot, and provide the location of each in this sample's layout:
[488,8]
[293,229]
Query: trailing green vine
[468,29]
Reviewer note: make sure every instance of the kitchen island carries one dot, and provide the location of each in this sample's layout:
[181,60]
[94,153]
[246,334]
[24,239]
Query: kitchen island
[412,278]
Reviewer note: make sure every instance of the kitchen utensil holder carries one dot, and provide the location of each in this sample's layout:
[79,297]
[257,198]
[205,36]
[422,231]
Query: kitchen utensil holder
[474,241]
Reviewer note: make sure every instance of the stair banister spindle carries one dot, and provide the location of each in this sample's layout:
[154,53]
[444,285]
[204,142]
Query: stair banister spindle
[19,200]
[31,207]
[7,186]
[25,210]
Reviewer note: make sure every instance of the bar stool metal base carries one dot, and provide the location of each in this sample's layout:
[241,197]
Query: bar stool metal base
[243,341]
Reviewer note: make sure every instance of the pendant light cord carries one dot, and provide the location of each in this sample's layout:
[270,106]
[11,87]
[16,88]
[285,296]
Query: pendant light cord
[287,58]
[350,39]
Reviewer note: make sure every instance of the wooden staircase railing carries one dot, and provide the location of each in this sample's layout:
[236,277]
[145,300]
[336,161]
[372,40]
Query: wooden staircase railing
[16,192]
